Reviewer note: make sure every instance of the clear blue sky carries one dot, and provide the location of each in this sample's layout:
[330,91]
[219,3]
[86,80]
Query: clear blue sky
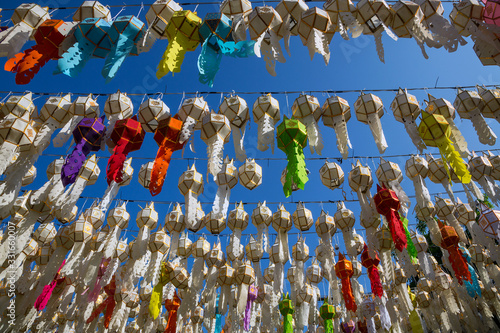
[354,64]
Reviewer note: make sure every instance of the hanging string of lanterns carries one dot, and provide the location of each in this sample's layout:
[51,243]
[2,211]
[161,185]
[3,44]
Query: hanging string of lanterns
[93,33]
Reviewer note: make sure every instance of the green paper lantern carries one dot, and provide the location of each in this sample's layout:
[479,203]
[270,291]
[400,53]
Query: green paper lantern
[287,310]
[292,138]
[327,312]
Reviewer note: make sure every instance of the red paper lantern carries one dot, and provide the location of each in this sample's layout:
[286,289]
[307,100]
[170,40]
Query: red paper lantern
[128,136]
[387,203]
[344,271]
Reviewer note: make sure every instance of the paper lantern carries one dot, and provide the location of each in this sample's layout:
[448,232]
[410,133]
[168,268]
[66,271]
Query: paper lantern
[264,23]
[127,136]
[444,108]
[44,254]
[435,131]
[417,169]
[82,107]
[55,113]
[124,33]
[225,280]
[313,29]
[236,110]
[389,174]
[375,16]
[158,15]
[489,221]
[214,223]
[18,105]
[245,277]
[306,109]
[237,221]
[250,174]
[292,138]
[254,252]
[217,40]
[342,17]
[266,113]
[184,249]
[48,36]
[491,100]
[327,312]
[92,9]
[369,109]
[290,12]
[88,135]
[167,137]
[344,271]
[437,174]
[406,110]
[450,243]
[469,104]
[407,23]
[151,112]
[16,136]
[226,179]
[387,204]
[371,261]
[445,209]
[191,185]
[481,169]
[348,327]
[182,32]
[336,113]
[26,19]
[302,218]
[145,174]
[215,133]
[91,40]
[237,11]
[262,219]
[313,273]
[325,227]
[88,172]
[117,219]
[344,219]
[118,106]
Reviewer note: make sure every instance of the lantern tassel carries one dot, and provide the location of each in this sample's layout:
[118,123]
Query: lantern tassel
[215,156]
[66,132]
[296,168]
[238,136]
[379,46]
[266,133]
[318,43]
[352,23]
[8,153]
[74,60]
[221,201]
[342,135]
[313,134]
[397,231]
[119,51]
[458,264]
[349,301]
[377,132]
[412,131]
[484,132]
[458,139]
[115,163]
[451,156]
[209,61]
[13,39]
[174,56]
[42,139]
[191,204]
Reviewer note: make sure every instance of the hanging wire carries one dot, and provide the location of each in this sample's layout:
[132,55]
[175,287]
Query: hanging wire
[256,2]
[277,92]
[322,158]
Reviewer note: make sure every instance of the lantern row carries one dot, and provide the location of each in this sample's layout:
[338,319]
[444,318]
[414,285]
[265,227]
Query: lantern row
[94,34]
[84,270]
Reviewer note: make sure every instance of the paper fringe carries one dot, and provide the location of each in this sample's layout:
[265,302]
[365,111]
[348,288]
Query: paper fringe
[215,151]
[377,132]
[265,133]
[313,134]
[343,142]
[484,132]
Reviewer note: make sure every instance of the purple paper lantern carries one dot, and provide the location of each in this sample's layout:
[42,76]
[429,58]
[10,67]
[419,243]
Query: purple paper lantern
[88,135]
